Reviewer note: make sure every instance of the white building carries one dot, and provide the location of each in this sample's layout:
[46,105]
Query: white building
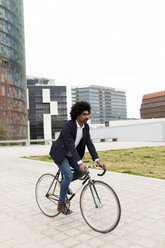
[131,130]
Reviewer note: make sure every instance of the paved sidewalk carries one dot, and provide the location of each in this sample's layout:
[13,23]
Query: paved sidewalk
[22,225]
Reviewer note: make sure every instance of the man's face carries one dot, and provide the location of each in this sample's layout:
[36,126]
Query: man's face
[83,118]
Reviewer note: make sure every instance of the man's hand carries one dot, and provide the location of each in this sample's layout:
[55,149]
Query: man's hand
[102,165]
[83,168]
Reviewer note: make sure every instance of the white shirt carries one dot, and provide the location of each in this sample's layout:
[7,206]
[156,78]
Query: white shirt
[79,136]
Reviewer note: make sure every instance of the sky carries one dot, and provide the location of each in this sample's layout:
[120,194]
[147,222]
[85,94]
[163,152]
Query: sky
[116,43]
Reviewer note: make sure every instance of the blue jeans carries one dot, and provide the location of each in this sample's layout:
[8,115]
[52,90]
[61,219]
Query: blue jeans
[65,167]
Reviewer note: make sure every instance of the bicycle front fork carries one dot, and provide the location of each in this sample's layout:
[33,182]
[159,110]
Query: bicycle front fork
[95,194]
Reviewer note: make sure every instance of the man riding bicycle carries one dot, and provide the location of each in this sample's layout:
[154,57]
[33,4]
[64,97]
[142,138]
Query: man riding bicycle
[68,150]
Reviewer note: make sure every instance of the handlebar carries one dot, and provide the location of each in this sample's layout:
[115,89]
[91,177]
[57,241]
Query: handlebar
[94,166]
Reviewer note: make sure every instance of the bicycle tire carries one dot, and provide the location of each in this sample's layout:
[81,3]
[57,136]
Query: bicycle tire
[47,196]
[106,216]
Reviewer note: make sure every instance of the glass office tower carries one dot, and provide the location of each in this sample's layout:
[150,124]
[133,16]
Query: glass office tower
[13,111]
[106,103]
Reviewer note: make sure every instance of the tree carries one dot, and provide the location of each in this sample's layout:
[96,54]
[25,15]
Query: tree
[3,132]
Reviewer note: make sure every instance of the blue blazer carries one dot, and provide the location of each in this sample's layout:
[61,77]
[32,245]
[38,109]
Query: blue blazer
[65,143]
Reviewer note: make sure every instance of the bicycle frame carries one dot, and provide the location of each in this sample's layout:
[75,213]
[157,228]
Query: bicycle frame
[56,177]
[86,180]
[91,184]
[83,183]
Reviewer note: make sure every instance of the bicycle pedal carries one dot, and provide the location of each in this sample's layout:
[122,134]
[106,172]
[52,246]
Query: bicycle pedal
[70,192]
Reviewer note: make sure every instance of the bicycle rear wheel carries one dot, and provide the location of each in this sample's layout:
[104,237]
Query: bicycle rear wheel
[47,193]
[100,206]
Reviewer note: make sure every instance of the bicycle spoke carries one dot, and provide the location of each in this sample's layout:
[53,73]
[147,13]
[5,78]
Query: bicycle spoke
[47,194]
[104,215]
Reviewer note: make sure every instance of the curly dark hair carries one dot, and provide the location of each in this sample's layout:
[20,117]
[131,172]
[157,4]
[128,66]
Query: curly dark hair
[78,108]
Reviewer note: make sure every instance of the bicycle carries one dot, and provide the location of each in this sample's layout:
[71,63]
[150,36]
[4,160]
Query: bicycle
[99,204]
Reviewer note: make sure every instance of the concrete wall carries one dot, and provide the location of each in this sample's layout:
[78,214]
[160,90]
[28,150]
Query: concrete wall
[147,131]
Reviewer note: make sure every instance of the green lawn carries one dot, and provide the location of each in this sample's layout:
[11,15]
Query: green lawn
[145,161]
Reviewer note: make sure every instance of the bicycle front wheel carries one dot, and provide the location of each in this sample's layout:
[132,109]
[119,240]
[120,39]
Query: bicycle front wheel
[100,206]
[47,193]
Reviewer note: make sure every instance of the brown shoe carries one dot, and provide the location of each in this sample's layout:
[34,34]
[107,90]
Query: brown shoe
[62,208]
[69,192]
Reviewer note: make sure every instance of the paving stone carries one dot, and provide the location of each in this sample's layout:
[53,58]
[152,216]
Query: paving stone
[136,246]
[94,242]
[73,232]
[83,237]
[122,242]
[22,224]
[83,245]
[56,245]
[70,242]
